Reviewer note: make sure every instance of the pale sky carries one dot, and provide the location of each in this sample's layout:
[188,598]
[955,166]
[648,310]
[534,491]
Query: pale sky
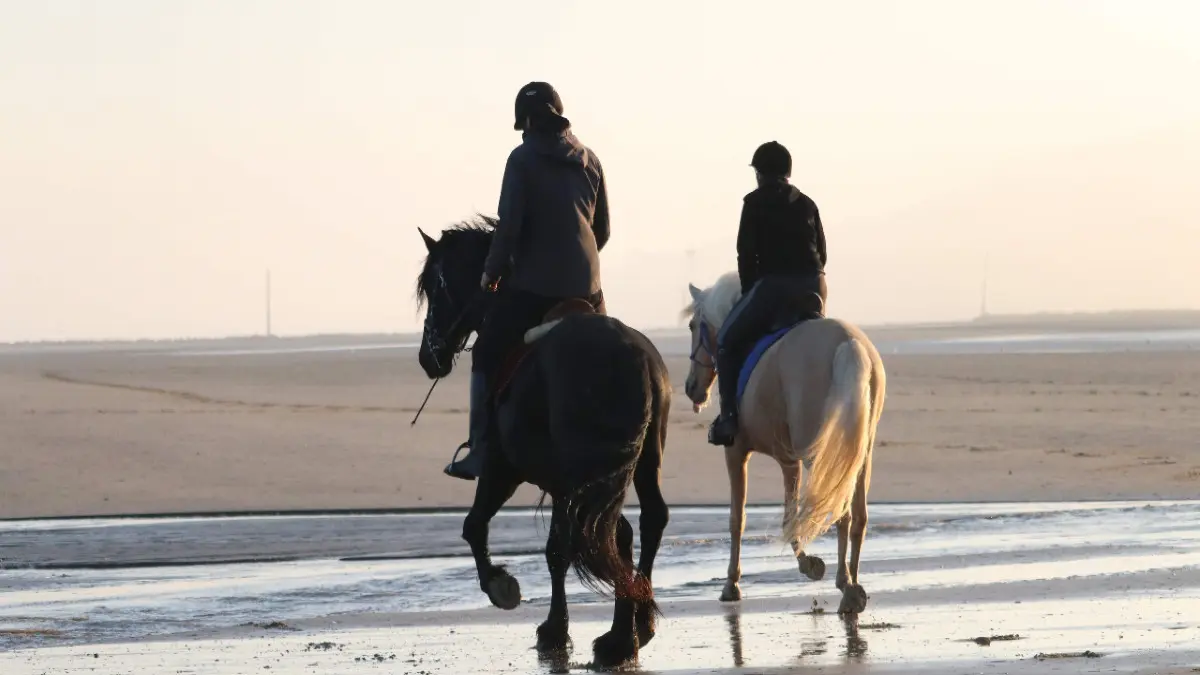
[157,157]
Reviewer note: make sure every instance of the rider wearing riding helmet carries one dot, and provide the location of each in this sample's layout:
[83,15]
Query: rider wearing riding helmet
[781,264]
[552,224]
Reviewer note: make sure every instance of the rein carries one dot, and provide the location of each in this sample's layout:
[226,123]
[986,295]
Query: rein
[436,341]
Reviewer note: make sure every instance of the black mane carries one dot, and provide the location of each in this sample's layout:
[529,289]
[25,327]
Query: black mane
[474,235]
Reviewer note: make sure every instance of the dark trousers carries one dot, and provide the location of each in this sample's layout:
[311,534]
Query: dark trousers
[769,300]
[511,313]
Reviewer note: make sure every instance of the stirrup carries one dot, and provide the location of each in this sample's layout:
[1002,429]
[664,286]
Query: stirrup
[715,435]
[450,469]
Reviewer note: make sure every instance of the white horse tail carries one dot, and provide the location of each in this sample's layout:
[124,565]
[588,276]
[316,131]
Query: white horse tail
[840,448]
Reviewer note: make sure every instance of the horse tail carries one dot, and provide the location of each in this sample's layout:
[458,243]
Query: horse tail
[605,429]
[840,448]
[594,514]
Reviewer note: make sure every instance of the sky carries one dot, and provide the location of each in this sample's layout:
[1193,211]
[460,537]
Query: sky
[157,158]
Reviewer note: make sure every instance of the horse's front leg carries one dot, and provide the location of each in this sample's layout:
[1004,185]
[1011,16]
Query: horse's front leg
[496,485]
[810,565]
[736,458]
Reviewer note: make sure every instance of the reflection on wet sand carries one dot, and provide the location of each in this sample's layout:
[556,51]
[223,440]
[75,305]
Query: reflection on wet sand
[733,619]
[855,646]
[555,660]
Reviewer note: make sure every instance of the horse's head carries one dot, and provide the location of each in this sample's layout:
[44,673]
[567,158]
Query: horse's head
[707,312]
[702,370]
[449,287]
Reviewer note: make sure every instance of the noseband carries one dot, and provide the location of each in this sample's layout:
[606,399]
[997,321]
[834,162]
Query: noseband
[436,342]
[702,345]
[434,339]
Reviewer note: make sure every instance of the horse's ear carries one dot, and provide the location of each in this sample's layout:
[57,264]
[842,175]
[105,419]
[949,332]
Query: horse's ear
[696,293]
[429,241]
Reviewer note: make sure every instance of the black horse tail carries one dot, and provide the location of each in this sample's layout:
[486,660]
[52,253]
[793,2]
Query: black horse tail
[606,417]
[594,513]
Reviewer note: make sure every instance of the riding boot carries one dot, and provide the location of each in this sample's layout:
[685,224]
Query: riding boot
[724,429]
[469,467]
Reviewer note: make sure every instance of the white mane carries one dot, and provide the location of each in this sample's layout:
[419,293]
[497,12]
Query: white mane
[714,304]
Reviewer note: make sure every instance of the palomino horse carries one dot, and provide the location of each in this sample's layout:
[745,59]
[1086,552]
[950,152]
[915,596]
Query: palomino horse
[813,400]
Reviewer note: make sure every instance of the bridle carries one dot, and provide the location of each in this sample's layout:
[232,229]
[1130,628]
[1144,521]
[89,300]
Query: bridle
[434,339]
[702,344]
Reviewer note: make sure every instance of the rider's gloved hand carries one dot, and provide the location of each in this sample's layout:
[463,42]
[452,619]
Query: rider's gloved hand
[487,283]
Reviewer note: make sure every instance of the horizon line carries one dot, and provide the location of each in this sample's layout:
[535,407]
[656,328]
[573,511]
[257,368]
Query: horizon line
[982,319]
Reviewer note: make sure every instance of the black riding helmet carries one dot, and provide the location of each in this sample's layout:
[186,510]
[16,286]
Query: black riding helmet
[535,98]
[772,159]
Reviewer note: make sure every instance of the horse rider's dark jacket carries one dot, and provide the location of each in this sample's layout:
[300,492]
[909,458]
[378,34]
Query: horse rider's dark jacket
[780,235]
[552,223]
[553,218]
[781,262]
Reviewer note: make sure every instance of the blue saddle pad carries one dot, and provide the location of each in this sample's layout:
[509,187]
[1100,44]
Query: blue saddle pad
[756,354]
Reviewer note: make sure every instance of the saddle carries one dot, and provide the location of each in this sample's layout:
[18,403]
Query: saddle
[515,357]
[806,307]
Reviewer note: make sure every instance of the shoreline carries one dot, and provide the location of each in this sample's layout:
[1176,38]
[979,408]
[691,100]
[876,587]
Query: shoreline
[524,510]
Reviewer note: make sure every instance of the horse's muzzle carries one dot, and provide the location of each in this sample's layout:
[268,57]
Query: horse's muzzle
[695,394]
[435,365]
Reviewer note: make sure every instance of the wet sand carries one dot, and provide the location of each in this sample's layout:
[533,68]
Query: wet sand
[901,635]
[732,640]
[178,428]
[1088,587]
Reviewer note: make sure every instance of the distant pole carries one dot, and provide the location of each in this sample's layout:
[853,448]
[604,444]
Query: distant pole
[983,292]
[691,265]
[268,303]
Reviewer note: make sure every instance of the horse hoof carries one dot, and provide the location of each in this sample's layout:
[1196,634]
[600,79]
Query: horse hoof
[611,650]
[854,600]
[645,626]
[731,593]
[553,638]
[504,591]
[812,567]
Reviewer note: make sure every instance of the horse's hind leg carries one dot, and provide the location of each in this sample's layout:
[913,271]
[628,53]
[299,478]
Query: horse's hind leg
[620,643]
[496,486]
[843,537]
[736,458]
[854,596]
[810,565]
[553,633]
[653,519]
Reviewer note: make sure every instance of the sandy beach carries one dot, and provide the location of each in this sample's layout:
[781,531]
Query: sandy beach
[999,541]
[184,429]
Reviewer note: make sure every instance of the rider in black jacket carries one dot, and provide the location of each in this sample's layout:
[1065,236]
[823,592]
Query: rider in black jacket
[781,263]
[552,225]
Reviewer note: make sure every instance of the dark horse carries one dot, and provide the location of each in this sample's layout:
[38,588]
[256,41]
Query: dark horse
[582,416]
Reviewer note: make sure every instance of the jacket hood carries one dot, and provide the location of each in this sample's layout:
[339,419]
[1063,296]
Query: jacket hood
[563,146]
[775,190]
